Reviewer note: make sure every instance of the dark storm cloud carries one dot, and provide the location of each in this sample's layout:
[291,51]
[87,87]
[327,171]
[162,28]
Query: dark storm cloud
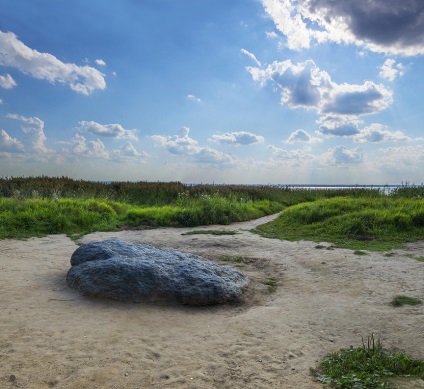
[382,22]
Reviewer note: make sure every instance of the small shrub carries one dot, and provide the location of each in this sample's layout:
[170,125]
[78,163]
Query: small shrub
[366,367]
[401,300]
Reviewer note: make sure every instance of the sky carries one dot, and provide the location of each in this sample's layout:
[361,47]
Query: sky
[213,91]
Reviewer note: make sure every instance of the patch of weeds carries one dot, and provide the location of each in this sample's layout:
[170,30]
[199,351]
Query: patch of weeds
[211,232]
[271,283]
[401,300]
[229,258]
[389,254]
[360,252]
[412,256]
[320,246]
[365,367]
[238,259]
[75,237]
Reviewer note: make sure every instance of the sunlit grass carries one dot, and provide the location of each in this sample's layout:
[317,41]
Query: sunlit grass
[374,223]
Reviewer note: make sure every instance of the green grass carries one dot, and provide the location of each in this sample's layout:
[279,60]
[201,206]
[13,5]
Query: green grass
[400,300]
[21,218]
[371,223]
[271,283]
[360,252]
[366,367]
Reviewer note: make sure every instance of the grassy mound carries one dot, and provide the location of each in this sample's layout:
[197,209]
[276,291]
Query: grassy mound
[376,223]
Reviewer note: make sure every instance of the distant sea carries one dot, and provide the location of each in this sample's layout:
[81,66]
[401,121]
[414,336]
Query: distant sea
[387,188]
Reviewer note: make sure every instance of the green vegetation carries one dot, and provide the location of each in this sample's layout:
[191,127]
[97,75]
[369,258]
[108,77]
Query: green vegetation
[370,222]
[401,300]
[271,283]
[360,252]
[210,232]
[366,367]
[354,218]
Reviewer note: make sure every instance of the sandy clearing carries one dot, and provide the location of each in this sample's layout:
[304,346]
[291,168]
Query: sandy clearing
[51,337]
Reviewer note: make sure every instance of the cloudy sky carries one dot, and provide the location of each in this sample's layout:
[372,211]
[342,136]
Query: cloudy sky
[224,91]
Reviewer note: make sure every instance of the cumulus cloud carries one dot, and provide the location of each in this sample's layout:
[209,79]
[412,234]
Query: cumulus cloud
[395,27]
[338,125]
[301,136]
[81,147]
[107,130]
[390,70]
[237,138]
[194,99]
[341,155]
[304,85]
[177,144]
[9,144]
[298,155]
[7,82]
[100,62]
[33,129]
[251,56]
[45,66]
[128,152]
[377,133]
[187,147]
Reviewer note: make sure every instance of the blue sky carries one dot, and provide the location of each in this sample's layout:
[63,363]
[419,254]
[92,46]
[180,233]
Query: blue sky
[224,91]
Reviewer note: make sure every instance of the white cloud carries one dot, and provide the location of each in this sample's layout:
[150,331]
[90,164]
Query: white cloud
[44,66]
[107,130]
[301,136]
[251,56]
[378,133]
[33,128]
[9,144]
[194,99]
[340,155]
[338,125]
[184,146]
[177,144]
[279,153]
[389,71]
[7,82]
[94,148]
[291,25]
[304,85]
[391,27]
[128,152]
[100,62]
[271,34]
[237,138]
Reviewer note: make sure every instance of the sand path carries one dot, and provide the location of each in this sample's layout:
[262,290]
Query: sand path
[51,337]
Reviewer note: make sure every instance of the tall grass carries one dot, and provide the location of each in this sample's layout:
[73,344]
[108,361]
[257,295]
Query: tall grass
[38,217]
[40,205]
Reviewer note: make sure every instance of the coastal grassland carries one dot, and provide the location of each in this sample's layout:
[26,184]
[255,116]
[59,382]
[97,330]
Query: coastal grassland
[21,218]
[371,223]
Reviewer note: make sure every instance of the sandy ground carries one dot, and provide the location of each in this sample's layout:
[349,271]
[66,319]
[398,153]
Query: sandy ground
[325,299]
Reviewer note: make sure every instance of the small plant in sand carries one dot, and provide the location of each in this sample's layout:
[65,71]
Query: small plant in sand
[271,283]
[210,232]
[401,300]
[369,366]
[360,252]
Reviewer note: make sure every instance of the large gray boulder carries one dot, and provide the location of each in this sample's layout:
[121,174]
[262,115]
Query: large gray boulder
[138,272]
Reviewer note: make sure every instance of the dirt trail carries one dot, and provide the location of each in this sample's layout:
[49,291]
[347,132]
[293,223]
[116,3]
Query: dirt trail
[324,299]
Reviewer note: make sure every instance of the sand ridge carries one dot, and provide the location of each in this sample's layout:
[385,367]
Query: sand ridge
[325,299]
